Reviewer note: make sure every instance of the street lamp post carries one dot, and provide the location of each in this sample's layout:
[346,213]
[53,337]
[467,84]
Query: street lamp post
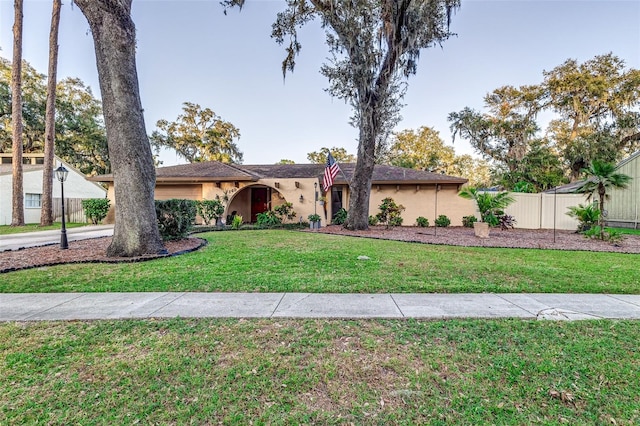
[61,174]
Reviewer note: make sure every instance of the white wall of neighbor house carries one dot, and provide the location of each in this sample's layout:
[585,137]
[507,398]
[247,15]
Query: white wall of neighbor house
[76,186]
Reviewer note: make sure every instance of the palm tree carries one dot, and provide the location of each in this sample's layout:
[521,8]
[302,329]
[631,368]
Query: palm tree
[602,177]
[490,205]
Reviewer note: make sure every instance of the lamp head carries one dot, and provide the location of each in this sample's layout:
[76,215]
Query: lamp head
[61,173]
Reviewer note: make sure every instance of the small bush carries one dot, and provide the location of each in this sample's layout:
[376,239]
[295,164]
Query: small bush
[340,217]
[175,218]
[373,220]
[587,216]
[96,209]
[468,221]
[506,221]
[395,221]
[285,211]
[267,219]
[236,222]
[442,221]
[210,210]
[609,235]
[389,211]
[314,217]
[422,222]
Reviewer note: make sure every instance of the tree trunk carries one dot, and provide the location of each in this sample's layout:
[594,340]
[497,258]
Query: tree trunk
[114,35]
[46,213]
[602,193]
[360,186]
[17,210]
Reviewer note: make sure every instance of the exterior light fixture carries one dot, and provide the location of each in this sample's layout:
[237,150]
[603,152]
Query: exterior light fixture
[61,175]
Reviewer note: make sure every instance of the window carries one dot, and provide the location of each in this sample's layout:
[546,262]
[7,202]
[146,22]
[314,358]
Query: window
[33,201]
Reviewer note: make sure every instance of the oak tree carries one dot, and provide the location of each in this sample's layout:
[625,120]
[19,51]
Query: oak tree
[374,46]
[114,36]
[199,135]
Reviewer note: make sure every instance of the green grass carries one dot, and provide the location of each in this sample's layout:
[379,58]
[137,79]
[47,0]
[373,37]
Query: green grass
[625,231]
[287,372]
[290,261]
[33,227]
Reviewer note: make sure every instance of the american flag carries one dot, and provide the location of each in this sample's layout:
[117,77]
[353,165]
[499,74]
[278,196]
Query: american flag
[330,172]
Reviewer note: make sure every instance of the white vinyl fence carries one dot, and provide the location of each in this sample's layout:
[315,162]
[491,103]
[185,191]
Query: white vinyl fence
[544,211]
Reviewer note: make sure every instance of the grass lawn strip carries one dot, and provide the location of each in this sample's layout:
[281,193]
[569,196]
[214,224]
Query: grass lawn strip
[290,261]
[207,371]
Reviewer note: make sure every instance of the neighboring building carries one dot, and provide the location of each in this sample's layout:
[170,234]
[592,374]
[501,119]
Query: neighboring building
[623,204]
[76,187]
[254,189]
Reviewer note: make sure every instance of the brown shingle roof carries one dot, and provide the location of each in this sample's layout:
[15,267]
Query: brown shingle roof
[215,171]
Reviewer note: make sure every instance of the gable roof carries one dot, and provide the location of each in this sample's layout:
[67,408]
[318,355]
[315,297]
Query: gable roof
[214,171]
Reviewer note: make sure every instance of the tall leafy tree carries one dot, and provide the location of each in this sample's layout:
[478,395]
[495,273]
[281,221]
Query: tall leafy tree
[424,149]
[17,199]
[114,37]
[339,154]
[81,138]
[46,212]
[33,107]
[601,178]
[598,106]
[504,133]
[540,169]
[199,135]
[374,45]
[421,149]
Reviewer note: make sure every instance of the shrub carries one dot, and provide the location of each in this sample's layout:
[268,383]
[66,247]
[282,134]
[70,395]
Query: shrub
[610,235]
[395,221]
[210,210]
[340,217]
[175,218]
[267,219]
[96,209]
[587,216]
[422,222]
[314,217]
[236,222]
[442,221]
[490,205]
[285,211]
[389,211]
[506,221]
[373,220]
[468,221]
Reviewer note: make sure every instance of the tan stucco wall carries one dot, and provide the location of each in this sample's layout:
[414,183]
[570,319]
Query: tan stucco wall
[417,200]
[420,200]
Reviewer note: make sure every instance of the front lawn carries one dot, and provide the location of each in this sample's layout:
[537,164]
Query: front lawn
[33,227]
[239,372]
[291,261]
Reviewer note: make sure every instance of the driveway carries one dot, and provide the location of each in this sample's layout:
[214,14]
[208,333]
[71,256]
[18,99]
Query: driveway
[43,238]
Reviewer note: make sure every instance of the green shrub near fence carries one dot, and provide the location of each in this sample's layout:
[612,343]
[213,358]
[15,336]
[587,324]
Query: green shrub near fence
[96,209]
[175,218]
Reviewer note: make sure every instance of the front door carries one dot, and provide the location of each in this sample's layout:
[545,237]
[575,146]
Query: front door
[259,202]
[336,200]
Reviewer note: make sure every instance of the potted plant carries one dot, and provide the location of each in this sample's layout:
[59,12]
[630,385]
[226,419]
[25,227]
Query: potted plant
[490,205]
[314,221]
[322,200]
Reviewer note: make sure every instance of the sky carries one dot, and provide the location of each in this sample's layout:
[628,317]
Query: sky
[190,51]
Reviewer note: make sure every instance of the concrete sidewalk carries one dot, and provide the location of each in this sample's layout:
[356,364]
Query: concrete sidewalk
[43,238]
[88,306]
